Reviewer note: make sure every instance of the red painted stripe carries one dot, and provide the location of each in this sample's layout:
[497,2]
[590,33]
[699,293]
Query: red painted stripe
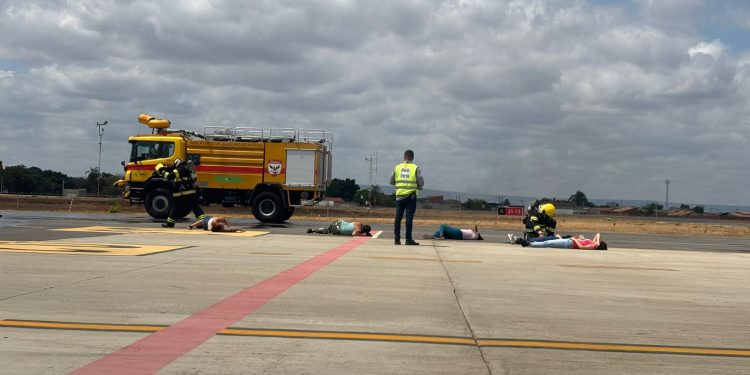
[225,169]
[140,167]
[207,168]
[157,350]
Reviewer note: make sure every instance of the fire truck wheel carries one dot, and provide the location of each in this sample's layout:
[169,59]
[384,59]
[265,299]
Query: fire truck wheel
[288,214]
[267,207]
[158,202]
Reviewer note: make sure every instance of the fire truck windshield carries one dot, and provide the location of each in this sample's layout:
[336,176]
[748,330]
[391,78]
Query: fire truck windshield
[149,150]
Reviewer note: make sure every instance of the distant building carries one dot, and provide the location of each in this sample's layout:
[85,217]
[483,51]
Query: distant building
[567,208]
[624,210]
[738,215]
[74,192]
[680,213]
[333,201]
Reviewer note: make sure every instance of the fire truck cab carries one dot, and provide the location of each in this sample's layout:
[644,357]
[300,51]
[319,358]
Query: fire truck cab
[271,170]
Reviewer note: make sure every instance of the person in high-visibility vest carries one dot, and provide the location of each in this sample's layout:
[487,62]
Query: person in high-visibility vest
[407,178]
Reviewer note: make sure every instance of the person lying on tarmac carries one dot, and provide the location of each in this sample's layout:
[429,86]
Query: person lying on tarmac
[579,243]
[344,228]
[515,240]
[214,224]
[452,233]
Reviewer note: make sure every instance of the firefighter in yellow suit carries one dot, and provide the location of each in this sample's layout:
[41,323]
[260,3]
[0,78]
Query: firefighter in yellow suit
[183,190]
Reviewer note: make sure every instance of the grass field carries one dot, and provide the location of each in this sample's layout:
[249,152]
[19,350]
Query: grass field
[429,217]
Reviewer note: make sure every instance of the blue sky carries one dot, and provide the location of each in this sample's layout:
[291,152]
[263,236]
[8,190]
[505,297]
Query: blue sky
[724,20]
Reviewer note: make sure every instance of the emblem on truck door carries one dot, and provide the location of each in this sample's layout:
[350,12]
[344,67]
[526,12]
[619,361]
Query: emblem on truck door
[274,167]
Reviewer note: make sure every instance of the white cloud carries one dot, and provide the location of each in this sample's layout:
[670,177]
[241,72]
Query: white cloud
[714,49]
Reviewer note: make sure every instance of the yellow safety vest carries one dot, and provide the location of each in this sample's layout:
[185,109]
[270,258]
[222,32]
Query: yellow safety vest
[406,178]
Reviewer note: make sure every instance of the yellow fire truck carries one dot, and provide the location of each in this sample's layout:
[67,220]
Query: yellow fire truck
[270,170]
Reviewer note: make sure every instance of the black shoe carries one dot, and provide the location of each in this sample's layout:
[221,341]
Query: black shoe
[411,243]
[397,242]
[168,225]
[309,230]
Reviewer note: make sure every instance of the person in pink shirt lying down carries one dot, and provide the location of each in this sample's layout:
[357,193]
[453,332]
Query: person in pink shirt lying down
[579,243]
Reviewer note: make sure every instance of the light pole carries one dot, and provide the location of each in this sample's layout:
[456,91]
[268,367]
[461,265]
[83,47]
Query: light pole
[99,168]
[372,158]
[666,206]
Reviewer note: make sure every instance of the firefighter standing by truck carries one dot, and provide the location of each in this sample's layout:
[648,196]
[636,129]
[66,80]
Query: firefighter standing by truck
[182,188]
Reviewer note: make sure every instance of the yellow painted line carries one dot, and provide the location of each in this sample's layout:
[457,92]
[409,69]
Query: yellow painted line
[141,230]
[348,336]
[79,326]
[425,339]
[269,253]
[614,347]
[615,267]
[425,259]
[84,248]
[246,332]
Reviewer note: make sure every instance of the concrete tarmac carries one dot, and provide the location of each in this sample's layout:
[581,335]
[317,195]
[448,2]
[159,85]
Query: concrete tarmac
[287,302]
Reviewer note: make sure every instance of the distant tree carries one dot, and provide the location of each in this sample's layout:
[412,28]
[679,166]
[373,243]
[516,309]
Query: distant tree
[76,183]
[475,204]
[107,188]
[18,179]
[345,189]
[612,204]
[506,202]
[33,180]
[105,184]
[92,177]
[684,206]
[375,197]
[699,210]
[580,199]
[651,207]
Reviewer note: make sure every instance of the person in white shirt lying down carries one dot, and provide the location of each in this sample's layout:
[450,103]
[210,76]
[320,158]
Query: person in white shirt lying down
[214,224]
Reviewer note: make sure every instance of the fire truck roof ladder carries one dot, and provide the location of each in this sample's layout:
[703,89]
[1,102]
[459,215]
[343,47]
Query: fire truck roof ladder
[249,134]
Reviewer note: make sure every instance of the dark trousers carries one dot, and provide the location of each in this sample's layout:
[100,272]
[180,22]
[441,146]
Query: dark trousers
[333,228]
[190,200]
[408,205]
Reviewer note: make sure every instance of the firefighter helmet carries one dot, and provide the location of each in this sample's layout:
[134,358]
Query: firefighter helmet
[177,162]
[548,209]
